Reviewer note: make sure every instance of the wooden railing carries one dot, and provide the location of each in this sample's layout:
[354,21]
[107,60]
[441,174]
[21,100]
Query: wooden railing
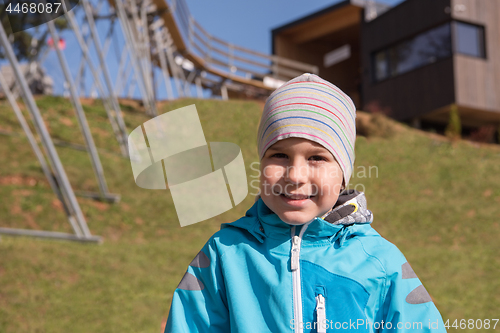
[231,60]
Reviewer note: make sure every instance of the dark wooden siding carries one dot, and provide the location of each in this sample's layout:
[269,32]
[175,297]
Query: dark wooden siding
[413,94]
[417,92]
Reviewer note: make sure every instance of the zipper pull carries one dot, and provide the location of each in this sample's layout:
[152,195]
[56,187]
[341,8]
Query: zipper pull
[320,314]
[295,253]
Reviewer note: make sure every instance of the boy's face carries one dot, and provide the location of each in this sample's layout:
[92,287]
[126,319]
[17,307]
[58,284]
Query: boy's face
[300,180]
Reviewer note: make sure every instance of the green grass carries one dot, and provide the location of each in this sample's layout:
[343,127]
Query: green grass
[438,201]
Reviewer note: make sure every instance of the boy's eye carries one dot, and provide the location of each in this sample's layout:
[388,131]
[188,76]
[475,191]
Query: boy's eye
[317,158]
[279,155]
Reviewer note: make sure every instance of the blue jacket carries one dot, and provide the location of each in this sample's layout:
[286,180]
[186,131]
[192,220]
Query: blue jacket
[259,274]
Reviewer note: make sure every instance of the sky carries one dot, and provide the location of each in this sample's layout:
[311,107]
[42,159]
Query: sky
[249,23]
[244,23]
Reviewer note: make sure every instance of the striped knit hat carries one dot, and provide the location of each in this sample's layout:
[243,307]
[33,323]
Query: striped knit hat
[311,108]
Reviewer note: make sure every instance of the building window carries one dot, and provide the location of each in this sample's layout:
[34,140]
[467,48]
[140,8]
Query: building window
[469,39]
[426,48]
[381,66]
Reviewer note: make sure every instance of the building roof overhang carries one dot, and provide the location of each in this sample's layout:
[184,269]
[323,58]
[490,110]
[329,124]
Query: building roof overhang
[327,21]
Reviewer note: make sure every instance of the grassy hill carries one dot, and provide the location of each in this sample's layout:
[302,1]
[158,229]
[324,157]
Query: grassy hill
[438,201]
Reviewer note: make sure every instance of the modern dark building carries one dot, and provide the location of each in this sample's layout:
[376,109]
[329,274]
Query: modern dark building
[411,62]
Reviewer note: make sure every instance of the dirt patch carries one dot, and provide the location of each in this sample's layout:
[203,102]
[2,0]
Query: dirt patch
[30,221]
[6,129]
[427,192]
[21,180]
[471,213]
[101,206]
[66,121]
[22,193]
[101,132]
[132,105]
[125,207]
[57,204]
[15,209]
[160,232]
[112,234]
[87,101]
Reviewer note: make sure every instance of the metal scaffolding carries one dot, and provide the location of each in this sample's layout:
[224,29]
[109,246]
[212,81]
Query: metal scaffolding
[56,176]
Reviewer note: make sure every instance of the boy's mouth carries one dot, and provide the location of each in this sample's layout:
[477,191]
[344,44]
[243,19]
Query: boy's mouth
[296,196]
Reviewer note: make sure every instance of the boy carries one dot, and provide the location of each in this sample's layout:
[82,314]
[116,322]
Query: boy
[304,258]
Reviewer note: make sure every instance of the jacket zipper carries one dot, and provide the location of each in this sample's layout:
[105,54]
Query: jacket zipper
[320,314]
[295,267]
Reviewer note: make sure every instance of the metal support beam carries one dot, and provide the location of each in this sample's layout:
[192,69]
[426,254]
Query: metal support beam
[123,74]
[80,227]
[134,51]
[50,234]
[121,77]
[82,120]
[160,47]
[104,70]
[39,154]
[110,103]
[105,47]
[223,91]
[199,89]
[176,70]
[131,87]
[145,44]
[80,74]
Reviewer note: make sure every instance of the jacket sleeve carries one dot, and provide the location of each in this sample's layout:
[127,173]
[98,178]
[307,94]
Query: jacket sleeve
[407,306]
[199,303]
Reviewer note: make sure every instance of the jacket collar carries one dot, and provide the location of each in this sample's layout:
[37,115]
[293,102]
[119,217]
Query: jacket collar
[349,209]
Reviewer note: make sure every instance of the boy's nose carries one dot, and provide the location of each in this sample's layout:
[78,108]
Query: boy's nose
[297,173]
